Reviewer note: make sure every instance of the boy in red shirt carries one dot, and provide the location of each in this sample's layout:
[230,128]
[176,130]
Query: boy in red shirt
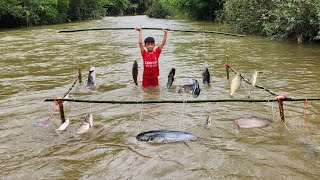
[150,57]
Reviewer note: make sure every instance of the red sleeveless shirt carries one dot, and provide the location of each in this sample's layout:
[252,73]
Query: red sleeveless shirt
[151,63]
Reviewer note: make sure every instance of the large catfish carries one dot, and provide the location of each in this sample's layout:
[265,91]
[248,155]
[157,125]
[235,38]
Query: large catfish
[166,136]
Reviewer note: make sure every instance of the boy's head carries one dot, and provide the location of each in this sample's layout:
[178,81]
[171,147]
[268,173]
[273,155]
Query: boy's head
[149,43]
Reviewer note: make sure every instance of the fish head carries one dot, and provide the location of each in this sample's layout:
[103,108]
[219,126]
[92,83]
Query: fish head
[196,93]
[145,137]
[89,119]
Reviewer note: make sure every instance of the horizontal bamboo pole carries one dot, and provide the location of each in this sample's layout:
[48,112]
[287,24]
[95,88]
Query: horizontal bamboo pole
[182,101]
[175,30]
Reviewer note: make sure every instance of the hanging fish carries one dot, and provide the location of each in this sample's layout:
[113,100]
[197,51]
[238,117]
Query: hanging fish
[91,77]
[135,72]
[254,79]
[235,84]
[64,125]
[208,123]
[206,76]
[196,88]
[86,124]
[171,77]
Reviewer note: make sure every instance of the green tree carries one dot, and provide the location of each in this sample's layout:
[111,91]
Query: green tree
[197,9]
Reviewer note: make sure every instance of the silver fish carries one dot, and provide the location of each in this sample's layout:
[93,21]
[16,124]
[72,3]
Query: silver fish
[166,136]
[135,72]
[235,84]
[91,77]
[86,124]
[206,76]
[208,123]
[171,77]
[252,122]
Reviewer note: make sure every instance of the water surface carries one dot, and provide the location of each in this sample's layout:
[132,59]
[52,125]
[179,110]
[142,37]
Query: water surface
[39,63]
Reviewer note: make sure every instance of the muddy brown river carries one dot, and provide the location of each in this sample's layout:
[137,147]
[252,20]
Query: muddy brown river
[38,63]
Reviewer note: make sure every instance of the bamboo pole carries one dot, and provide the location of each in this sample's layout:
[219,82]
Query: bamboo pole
[227,66]
[181,101]
[174,30]
[281,111]
[79,75]
[60,102]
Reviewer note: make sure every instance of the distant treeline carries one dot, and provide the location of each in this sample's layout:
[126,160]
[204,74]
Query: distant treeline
[17,13]
[278,19]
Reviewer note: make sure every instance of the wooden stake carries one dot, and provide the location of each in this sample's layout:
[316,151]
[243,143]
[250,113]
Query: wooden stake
[63,119]
[79,75]
[227,66]
[281,111]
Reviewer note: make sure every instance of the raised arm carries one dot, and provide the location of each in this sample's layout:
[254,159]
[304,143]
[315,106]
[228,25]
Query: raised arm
[164,39]
[140,38]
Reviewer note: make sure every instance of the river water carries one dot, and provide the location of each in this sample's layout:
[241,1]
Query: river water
[39,63]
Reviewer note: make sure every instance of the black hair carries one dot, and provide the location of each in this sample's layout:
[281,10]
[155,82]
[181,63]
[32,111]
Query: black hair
[148,40]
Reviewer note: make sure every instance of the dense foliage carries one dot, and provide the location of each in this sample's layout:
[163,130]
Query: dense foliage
[197,9]
[38,12]
[278,19]
[159,9]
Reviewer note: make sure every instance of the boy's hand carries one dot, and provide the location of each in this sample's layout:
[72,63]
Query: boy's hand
[165,30]
[137,28]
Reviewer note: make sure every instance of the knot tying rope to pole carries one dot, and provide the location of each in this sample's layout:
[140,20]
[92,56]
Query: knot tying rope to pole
[283,96]
[55,102]
[228,65]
